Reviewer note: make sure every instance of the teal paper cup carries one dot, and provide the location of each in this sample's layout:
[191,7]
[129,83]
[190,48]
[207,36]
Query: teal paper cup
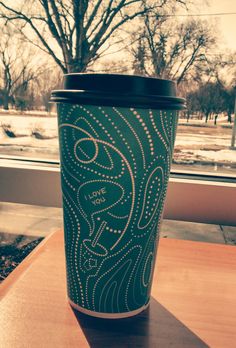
[116,138]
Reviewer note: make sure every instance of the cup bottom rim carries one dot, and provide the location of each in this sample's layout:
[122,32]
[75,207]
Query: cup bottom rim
[108,315]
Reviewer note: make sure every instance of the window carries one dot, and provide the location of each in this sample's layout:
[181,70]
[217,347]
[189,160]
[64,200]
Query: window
[29,157]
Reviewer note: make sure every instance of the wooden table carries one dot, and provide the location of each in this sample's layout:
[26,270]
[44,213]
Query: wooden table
[193,302]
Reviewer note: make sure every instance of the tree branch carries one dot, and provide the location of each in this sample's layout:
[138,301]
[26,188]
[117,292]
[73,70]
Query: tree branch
[189,64]
[100,39]
[22,16]
[93,15]
[79,10]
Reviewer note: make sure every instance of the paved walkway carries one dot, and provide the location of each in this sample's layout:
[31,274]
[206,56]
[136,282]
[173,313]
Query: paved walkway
[40,221]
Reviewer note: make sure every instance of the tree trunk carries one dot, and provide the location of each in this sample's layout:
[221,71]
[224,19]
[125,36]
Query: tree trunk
[207,116]
[229,117]
[77,65]
[5,101]
[234,127]
[188,116]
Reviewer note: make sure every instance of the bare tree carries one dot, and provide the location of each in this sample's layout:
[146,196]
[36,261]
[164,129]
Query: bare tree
[16,66]
[168,49]
[209,99]
[74,33]
[215,67]
[229,102]
[46,82]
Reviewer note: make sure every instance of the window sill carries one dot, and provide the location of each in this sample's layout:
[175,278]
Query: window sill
[188,198]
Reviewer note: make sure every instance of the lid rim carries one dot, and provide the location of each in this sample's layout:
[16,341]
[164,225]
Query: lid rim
[77,92]
[99,100]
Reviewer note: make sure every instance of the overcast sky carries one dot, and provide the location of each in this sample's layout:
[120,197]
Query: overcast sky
[226,23]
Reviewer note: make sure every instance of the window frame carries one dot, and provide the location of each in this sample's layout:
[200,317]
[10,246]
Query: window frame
[190,197]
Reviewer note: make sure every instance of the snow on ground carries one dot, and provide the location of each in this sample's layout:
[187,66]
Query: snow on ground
[24,125]
[221,156]
[188,140]
[193,144]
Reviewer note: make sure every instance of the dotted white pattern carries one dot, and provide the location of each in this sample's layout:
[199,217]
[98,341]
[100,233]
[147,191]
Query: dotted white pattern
[115,165]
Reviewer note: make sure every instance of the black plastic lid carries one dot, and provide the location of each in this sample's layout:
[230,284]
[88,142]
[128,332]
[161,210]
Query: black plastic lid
[119,90]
